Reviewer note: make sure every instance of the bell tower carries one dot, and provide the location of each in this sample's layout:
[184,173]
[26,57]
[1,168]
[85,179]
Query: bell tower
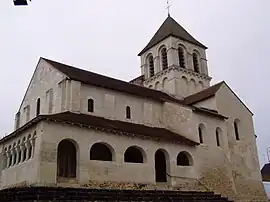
[174,62]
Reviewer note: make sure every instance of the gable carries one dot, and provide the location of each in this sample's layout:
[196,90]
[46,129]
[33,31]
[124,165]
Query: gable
[227,97]
[44,78]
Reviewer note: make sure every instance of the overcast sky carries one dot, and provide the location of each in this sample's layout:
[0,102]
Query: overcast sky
[105,36]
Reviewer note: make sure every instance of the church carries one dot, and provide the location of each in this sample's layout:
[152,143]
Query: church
[167,129]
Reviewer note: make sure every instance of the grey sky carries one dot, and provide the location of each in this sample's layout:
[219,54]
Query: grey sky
[105,36]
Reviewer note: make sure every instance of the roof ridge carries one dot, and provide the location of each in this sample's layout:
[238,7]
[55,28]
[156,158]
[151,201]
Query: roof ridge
[203,94]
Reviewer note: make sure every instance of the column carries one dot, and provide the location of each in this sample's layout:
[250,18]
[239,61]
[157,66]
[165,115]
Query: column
[22,151]
[17,149]
[8,159]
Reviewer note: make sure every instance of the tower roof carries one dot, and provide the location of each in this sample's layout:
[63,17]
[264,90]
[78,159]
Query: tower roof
[171,28]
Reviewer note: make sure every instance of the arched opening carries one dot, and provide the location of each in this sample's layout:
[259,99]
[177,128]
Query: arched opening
[236,129]
[151,66]
[66,159]
[160,166]
[181,57]
[200,131]
[196,62]
[128,112]
[90,105]
[133,155]
[101,152]
[184,159]
[24,154]
[164,58]
[30,152]
[38,107]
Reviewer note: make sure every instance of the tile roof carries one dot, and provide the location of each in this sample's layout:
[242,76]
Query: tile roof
[203,95]
[91,78]
[127,128]
[171,28]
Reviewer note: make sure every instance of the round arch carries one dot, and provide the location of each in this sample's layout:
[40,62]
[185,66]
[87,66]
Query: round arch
[67,158]
[162,165]
[184,159]
[102,151]
[135,154]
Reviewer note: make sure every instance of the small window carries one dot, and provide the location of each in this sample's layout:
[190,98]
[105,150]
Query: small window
[164,58]
[151,66]
[181,57]
[38,107]
[236,129]
[218,138]
[184,159]
[101,152]
[200,134]
[90,105]
[128,112]
[196,63]
[133,155]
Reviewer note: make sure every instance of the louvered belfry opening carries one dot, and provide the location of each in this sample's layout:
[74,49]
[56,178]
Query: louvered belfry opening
[66,159]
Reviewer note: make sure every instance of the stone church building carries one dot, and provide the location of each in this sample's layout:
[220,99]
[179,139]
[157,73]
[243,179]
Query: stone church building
[166,129]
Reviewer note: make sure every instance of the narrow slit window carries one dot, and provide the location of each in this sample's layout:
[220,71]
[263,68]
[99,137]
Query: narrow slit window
[217,138]
[90,105]
[200,135]
[236,131]
[38,107]
[128,112]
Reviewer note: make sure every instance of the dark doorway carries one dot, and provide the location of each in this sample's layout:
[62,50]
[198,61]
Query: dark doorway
[66,159]
[160,166]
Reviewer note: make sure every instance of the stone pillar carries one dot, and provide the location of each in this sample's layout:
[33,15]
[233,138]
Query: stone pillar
[32,142]
[12,157]
[27,146]
[8,159]
[157,64]
[17,149]
[172,55]
[22,152]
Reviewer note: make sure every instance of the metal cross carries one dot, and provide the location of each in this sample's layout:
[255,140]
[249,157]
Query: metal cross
[168,7]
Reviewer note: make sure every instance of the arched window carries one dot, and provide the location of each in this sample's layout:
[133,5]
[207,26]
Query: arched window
[200,131]
[90,105]
[30,152]
[196,63]
[38,107]
[20,156]
[151,66]
[236,129]
[66,159]
[15,158]
[24,154]
[128,112]
[184,159]
[101,152]
[218,137]
[164,58]
[181,57]
[133,155]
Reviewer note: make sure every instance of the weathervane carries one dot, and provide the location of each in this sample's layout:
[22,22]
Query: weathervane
[168,7]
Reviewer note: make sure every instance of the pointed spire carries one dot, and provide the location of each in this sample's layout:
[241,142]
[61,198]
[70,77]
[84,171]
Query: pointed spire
[171,28]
